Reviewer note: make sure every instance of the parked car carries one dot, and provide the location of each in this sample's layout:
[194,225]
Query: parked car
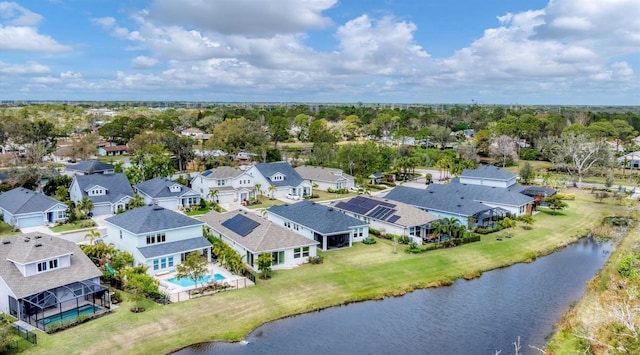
[293,196]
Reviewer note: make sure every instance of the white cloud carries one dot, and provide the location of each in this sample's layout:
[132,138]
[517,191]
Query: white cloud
[29,68]
[244,17]
[69,75]
[142,62]
[18,31]
[15,15]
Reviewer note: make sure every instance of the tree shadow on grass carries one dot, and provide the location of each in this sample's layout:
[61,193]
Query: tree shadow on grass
[552,213]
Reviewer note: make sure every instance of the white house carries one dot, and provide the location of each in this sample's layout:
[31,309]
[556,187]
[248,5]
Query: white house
[232,185]
[389,216]
[284,179]
[42,276]
[631,160]
[324,224]
[325,178]
[251,235]
[109,192]
[166,193]
[157,237]
[22,208]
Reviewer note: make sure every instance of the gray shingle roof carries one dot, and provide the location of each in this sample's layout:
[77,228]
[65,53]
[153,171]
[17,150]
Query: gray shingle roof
[159,187]
[81,267]
[90,166]
[222,172]
[117,186]
[21,200]
[179,246]
[320,218]
[436,199]
[266,237]
[151,218]
[318,173]
[292,178]
[405,214]
[488,172]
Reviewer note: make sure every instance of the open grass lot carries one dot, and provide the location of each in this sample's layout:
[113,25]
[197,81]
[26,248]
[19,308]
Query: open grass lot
[266,202]
[70,227]
[6,229]
[359,273]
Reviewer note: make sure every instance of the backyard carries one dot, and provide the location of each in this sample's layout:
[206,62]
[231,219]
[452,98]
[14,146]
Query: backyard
[347,275]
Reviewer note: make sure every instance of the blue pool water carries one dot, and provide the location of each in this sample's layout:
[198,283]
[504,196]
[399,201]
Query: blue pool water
[186,282]
[70,315]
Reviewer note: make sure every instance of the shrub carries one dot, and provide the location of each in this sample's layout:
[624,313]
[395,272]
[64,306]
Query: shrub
[374,232]
[481,230]
[471,239]
[529,154]
[568,197]
[629,266]
[338,191]
[369,240]
[319,259]
[116,297]
[86,223]
[388,183]
[404,240]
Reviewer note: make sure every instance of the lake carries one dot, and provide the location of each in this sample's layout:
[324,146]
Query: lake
[479,316]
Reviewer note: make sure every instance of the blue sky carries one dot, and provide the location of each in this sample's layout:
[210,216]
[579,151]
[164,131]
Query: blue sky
[567,52]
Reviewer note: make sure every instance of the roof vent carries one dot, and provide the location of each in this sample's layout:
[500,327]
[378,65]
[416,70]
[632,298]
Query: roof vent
[38,236]
[6,242]
[330,208]
[26,240]
[462,197]
[157,208]
[38,245]
[459,205]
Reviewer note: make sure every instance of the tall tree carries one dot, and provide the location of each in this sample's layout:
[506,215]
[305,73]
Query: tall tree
[193,267]
[503,150]
[577,153]
[278,128]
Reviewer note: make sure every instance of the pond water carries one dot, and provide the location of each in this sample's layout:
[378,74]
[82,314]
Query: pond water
[479,316]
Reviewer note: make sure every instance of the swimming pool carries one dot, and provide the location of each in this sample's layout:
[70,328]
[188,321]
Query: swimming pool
[69,315]
[186,282]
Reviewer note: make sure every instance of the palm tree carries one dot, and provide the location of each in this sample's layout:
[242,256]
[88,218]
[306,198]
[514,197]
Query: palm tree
[258,188]
[92,235]
[213,194]
[136,201]
[85,205]
[272,189]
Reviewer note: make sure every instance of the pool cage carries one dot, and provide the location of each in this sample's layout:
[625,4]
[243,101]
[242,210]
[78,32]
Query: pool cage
[490,218]
[64,304]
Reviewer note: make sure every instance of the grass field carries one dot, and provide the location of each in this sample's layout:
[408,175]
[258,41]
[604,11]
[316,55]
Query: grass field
[348,275]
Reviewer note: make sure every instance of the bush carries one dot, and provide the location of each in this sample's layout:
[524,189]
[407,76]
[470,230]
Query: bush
[374,232]
[529,154]
[568,197]
[338,191]
[116,297]
[481,230]
[316,260]
[404,240]
[86,223]
[471,239]
[369,240]
[388,183]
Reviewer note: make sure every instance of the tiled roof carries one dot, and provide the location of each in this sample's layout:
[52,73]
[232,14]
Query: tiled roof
[317,173]
[292,178]
[117,186]
[151,218]
[81,267]
[90,166]
[488,172]
[179,246]
[21,200]
[267,236]
[320,218]
[159,187]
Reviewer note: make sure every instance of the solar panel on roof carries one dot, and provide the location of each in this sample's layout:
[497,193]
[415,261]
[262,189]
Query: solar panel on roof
[206,173]
[351,207]
[241,225]
[394,218]
[381,212]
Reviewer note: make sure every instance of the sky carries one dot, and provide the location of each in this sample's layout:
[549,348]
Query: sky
[557,52]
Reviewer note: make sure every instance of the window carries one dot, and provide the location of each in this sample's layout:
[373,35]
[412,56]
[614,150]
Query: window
[296,227]
[156,264]
[163,263]
[170,261]
[221,182]
[42,266]
[121,234]
[53,264]
[277,177]
[287,224]
[151,239]
[278,257]
[412,231]
[156,238]
[296,253]
[305,251]
[62,214]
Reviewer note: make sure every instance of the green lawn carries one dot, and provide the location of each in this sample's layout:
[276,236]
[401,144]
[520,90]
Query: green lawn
[6,229]
[68,227]
[326,196]
[266,202]
[347,275]
[198,212]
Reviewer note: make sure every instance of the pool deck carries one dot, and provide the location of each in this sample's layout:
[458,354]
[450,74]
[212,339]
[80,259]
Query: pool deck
[179,293]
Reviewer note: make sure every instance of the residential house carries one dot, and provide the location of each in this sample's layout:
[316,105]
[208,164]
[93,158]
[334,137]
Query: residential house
[109,192]
[43,278]
[390,216]
[166,193]
[636,140]
[112,150]
[157,237]
[375,178]
[251,235]
[324,224]
[325,178]
[196,134]
[23,208]
[88,167]
[479,197]
[224,185]
[282,176]
[538,193]
[631,160]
